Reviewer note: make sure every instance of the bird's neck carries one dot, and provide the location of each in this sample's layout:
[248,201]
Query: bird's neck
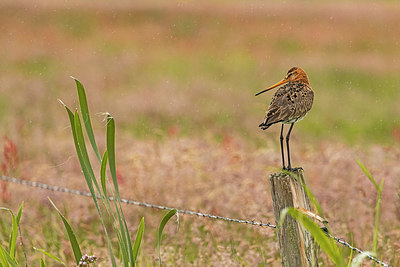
[303,79]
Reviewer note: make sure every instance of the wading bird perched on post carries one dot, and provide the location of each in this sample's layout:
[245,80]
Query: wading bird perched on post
[290,104]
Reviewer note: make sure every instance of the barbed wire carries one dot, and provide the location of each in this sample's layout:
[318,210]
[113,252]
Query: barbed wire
[132,202]
[344,243]
[182,211]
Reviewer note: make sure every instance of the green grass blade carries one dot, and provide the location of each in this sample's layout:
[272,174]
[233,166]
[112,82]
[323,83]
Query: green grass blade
[49,255]
[87,166]
[6,258]
[164,221]
[103,182]
[19,214]
[86,116]
[83,157]
[74,243]
[103,179]
[111,161]
[326,244]
[123,235]
[111,151]
[122,246]
[42,264]
[74,121]
[365,170]
[3,258]
[12,243]
[103,174]
[379,189]
[357,261]
[129,242]
[350,258]
[377,215]
[124,240]
[138,239]
[13,237]
[85,162]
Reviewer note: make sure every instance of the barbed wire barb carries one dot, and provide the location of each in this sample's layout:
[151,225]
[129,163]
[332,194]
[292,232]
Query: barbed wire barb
[182,211]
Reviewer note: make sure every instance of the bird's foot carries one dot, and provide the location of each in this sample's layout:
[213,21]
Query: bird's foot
[290,169]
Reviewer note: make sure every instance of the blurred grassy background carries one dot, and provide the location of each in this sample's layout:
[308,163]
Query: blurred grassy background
[196,67]
[180,78]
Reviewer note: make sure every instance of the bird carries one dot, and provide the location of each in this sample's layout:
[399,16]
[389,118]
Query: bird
[290,104]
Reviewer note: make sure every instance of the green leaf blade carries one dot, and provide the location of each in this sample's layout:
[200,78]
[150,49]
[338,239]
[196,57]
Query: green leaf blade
[111,151]
[71,235]
[49,255]
[86,116]
[103,169]
[138,239]
[19,214]
[377,216]
[367,173]
[6,258]
[164,221]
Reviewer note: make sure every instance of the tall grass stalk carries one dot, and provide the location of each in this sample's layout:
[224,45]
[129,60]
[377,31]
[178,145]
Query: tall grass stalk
[379,189]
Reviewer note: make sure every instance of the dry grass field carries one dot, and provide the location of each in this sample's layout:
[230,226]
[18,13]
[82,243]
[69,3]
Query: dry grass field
[179,78]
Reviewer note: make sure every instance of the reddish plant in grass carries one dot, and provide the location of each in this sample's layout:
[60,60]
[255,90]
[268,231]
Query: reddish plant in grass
[9,165]
[174,130]
[396,133]
[120,178]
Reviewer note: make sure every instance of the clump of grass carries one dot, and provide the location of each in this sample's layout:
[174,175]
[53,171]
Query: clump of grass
[128,251]
[7,256]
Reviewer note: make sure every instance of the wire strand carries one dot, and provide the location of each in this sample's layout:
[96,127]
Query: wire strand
[182,211]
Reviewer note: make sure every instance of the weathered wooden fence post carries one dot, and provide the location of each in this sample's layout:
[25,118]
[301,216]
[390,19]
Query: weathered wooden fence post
[296,244]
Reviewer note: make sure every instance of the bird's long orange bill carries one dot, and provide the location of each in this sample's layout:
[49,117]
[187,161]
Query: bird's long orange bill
[273,86]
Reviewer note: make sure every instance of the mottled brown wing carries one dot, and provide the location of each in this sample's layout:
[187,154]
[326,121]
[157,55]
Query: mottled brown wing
[290,102]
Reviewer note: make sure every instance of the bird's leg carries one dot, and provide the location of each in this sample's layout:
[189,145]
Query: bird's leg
[283,156]
[287,145]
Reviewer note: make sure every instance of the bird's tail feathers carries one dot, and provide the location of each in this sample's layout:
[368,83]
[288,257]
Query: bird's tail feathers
[264,125]
[267,123]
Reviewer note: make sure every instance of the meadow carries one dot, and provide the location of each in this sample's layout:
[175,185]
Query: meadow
[179,79]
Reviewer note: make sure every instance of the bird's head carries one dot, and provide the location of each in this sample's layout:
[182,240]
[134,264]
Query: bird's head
[295,74]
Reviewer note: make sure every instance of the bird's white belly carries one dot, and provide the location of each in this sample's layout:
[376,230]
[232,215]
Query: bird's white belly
[294,120]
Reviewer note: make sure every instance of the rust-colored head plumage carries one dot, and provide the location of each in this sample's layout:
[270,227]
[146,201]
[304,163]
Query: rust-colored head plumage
[295,74]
